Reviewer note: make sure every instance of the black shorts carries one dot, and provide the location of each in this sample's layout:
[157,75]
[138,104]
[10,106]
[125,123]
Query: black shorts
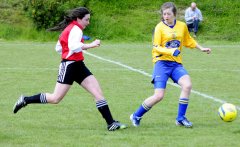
[70,71]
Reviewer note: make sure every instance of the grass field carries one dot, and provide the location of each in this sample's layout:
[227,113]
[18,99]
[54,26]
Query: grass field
[29,68]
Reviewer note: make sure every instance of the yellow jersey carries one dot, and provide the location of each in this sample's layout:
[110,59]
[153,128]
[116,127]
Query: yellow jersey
[166,40]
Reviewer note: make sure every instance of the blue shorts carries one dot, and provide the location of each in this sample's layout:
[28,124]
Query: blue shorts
[165,69]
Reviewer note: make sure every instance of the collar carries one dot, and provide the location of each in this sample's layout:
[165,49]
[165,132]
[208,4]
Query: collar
[77,24]
[168,25]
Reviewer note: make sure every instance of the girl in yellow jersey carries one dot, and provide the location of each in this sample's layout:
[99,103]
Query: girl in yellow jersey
[169,37]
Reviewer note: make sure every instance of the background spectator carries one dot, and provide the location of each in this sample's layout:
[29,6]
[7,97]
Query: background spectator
[192,17]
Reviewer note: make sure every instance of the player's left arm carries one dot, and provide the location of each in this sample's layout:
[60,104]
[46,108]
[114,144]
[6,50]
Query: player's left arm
[189,42]
[95,43]
[203,49]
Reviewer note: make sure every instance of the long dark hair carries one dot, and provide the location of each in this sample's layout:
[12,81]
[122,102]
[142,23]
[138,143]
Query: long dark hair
[72,15]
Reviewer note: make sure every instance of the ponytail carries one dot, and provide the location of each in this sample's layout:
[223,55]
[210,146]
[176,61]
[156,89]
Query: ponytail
[72,15]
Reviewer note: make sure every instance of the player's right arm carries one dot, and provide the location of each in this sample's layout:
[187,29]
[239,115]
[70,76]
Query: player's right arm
[203,49]
[158,45]
[95,43]
[76,45]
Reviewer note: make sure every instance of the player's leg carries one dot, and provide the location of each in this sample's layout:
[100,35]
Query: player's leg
[91,84]
[186,86]
[58,94]
[155,98]
[43,98]
[63,84]
[183,79]
[146,106]
[160,77]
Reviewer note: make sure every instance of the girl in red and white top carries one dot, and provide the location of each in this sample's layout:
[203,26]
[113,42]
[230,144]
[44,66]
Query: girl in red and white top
[72,68]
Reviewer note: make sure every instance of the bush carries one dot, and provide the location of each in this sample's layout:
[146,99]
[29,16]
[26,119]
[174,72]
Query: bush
[46,14]
[125,20]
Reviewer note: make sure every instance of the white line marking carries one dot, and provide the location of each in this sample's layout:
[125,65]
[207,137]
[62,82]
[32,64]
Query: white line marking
[149,75]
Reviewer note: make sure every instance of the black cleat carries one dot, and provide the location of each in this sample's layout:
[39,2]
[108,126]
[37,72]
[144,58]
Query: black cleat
[19,104]
[116,125]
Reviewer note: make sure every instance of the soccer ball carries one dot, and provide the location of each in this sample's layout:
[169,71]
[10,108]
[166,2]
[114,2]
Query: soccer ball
[227,112]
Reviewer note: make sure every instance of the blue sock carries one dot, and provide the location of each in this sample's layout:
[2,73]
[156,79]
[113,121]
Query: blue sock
[182,108]
[141,110]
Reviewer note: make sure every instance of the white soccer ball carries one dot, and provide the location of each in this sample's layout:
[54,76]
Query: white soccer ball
[227,112]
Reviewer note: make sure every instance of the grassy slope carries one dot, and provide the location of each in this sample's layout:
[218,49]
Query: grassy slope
[130,20]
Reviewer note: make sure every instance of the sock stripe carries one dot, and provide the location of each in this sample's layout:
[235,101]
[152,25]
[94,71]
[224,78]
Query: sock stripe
[43,98]
[146,107]
[101,103]
[186,99]
[183,101]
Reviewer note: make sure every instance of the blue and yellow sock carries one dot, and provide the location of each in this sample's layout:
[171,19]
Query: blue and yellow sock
[182,108]
[142,110]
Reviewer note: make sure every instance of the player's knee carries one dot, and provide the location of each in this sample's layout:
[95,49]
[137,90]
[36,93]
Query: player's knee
[55,99]
[187,87]
[158,96]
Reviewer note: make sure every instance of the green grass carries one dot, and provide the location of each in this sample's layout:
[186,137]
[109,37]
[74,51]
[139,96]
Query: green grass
[31,67]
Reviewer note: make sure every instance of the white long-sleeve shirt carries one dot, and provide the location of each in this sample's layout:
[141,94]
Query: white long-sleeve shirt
[189,14]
